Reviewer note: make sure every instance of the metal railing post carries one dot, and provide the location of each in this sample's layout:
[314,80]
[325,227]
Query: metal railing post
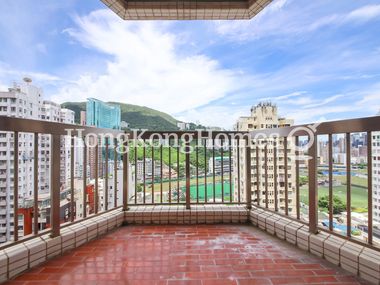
[187,170]
[349,187]
[313,187]
[96,199]
[286,176]
[35,190]
[297,161]
[105,190]
[115,174]
[72,192]
[84,198]
[275,175]
[126,176]
[55,185]
[248,189]
[370,194]
[15,185]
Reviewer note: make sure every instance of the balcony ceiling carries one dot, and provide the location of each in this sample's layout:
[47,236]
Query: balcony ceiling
[186,10]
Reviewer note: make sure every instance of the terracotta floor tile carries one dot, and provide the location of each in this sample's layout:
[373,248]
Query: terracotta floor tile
[186,255]
[255,281]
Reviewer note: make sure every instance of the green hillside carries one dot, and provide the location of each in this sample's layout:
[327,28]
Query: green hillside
[76,107]
[138,117]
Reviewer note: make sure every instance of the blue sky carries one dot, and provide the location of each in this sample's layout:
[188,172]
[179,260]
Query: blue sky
[317,60]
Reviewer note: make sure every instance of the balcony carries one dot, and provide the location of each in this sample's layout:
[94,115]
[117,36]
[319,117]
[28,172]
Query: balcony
[187,10]
[198,254]
[170,224]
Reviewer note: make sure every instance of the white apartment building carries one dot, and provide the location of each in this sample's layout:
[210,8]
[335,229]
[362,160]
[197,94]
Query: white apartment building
[79,151]
[183,126]
[218,165]
[148,169]
[21,101]
[78,185]
[53,112]
[376,176]
[265,116]
[24,100]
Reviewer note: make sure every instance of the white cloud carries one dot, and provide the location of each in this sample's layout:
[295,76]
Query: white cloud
[3,87]
[149,66]
[278,5]
[226,116]
[302,116]
[365,13]
[359,103]
[370,99]
[284,97]
[7,72]
[323,102]
[280,19]
[221,116]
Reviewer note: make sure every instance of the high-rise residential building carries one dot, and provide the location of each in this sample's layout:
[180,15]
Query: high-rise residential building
[323,152]
[376,176]
[78,150]
[24,100]
[53,112]
[265,116]
[66,117]
[166,170]
[20,101]
[219,165]
[102,115]
[82,118]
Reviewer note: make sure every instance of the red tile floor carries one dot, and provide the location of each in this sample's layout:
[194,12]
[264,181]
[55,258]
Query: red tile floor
[189,255]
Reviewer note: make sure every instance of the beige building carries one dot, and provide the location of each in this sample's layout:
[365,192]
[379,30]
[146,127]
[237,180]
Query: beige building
[265,116]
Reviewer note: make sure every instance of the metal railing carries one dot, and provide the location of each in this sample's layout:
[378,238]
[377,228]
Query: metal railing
[309,156]
[261,168]
[190,167]
[55,132]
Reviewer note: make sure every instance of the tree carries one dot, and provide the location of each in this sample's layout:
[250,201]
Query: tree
[304,180]
[139,188]
[338,205]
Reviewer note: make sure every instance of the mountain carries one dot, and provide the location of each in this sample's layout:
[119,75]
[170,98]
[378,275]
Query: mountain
[138,117]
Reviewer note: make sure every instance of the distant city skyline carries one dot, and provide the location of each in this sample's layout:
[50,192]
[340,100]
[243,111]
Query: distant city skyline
[319,61]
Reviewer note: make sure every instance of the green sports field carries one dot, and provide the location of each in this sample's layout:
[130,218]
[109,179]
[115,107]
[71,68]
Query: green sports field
[358,196]
[210,191]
